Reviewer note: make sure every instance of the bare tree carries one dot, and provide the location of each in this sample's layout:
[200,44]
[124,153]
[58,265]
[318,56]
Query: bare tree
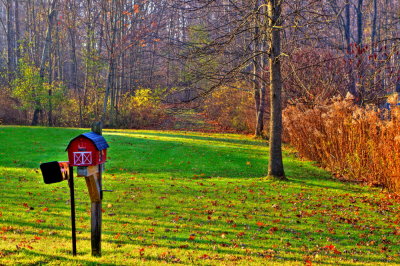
[275,164]
[194,46]
[259,58]
[11,60]
[44,62]
[17,31]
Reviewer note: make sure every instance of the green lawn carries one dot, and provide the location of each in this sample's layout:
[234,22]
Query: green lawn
[189,198]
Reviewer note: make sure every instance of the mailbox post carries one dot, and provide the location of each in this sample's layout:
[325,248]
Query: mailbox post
[72,199]
[88,152]
[54,172]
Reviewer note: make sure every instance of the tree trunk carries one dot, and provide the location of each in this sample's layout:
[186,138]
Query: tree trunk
[73,80]
[360,71]
[50,92]
[10,42]
[45,58]
[59,67]
[359,22]
[88,69]
[256,67]
[17,32]
[347,33]
[110,87]
[36,114]
[260,113]
[262,71]
[374,25]
[50,112]
[256,88]
[48,41]
[275,165]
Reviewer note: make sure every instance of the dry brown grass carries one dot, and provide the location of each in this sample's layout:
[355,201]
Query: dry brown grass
[353,142]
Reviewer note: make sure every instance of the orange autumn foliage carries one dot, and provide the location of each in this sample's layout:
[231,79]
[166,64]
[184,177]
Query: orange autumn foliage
[231,108]
[355,143]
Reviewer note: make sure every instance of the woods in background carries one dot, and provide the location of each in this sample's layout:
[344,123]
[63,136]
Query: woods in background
[69,62]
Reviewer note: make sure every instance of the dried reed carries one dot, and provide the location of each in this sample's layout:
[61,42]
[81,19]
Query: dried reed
[355,143]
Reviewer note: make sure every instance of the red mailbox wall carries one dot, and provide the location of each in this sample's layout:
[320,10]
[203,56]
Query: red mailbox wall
[83,152]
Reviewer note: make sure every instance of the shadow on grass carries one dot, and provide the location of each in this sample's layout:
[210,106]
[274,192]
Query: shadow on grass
[199,159]
[186,159]
[158,159]
[190,136]
[223,246]
[61,259]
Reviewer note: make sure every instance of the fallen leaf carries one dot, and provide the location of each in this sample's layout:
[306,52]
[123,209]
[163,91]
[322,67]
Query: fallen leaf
[241,234]
[260,224]
[141,252]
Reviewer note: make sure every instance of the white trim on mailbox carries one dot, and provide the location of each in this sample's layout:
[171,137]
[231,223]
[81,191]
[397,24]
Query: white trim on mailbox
[82,157]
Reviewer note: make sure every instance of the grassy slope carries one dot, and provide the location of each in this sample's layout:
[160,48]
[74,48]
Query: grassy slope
[188,198]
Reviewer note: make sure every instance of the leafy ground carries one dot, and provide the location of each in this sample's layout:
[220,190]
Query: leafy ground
[189,198]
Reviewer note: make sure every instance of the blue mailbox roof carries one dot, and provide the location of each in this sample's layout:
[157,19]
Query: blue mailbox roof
[98,140]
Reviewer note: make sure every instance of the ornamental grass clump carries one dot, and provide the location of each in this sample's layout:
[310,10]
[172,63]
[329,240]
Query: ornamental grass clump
[355,143]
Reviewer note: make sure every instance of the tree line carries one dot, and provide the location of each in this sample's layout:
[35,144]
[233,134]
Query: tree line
[68,62]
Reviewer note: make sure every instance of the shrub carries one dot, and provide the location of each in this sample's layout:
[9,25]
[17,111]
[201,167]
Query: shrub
[141,110]
[232,108]
[8,113]
[32,91]
[353,142]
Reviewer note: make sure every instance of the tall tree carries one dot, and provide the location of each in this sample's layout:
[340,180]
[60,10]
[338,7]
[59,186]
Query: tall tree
[347,31]
[11,60]
[17,31]
[259,46]
[360,38]
[275,165]
[360,22]
[374,25]
[44,64]
[110,13]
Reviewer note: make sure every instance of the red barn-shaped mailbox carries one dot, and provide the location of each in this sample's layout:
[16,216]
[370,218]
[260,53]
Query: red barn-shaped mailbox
[87,149]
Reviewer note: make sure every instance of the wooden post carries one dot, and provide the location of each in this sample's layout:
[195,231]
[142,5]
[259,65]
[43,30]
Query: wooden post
[93,187]
[72,198]
[96,206]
